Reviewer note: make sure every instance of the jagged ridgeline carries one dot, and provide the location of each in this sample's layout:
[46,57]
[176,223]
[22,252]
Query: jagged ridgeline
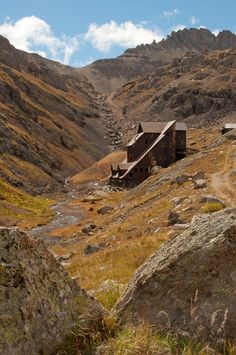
[110,74]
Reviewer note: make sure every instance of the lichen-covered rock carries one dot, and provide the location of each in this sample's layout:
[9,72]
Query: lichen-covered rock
[188,287]
[40,304]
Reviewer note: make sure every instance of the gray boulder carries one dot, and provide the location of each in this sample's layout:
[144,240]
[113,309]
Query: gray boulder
[199,175]
[174,218]
[156,169]
[40,304]
[188,286]
[89,228]
[90,249]
[199,184]
[181,179]
[105,209]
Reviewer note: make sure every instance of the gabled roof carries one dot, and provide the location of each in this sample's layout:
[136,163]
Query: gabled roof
[230,125]
[157,127]
[151,127]
[160,137]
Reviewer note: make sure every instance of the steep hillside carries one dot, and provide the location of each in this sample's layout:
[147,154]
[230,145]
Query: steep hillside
[50,125]
[110,74]
[199,89]
[111,243]
[98,171]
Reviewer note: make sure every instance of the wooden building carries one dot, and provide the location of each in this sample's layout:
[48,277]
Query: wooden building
[228,127]
[156,143]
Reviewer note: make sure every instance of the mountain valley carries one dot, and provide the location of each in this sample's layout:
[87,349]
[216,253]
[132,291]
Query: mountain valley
[60,130]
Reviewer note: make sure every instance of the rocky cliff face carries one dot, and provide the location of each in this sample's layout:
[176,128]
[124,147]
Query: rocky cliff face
[40,304]
[50,124]
[199,89]
[110,74]
[188,286]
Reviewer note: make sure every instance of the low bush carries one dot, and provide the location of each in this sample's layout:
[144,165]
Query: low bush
[210,207]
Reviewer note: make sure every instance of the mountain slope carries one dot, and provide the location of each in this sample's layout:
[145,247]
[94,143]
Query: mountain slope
[50,125]
[199,89]
[110,74]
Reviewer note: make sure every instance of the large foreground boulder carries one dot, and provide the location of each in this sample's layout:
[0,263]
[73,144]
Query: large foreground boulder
[40,304]
[188,287]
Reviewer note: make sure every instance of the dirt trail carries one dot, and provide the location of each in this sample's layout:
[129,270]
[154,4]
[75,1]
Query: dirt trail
[223,183]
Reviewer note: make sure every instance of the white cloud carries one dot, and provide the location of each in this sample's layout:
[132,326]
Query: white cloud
[33,34]
[215,32]
[193,20]
[170,13]
[178,28]
[126,34]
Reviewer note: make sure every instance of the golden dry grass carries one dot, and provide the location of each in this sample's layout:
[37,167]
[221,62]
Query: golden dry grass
[18,207]
[99,170]
[137,226]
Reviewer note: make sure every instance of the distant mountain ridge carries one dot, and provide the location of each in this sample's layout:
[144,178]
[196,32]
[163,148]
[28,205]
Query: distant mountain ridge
[108,75]
[187,39]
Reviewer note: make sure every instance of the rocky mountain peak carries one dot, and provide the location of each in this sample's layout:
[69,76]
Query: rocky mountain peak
[192,39]
[4,41]
[108,75]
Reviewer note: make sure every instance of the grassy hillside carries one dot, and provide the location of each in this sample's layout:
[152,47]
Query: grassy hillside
[100,170]
[50,124]
[138,223]
[136,227]
[21,209]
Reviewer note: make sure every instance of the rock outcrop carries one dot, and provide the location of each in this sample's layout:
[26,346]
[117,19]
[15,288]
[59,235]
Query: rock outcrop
[175,91]
[188,286]
[40,304]
[108,75]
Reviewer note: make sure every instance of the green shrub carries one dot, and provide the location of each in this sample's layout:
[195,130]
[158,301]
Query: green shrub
[110,295]
[210,207]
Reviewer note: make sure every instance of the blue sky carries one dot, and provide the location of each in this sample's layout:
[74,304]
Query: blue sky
[77,32]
